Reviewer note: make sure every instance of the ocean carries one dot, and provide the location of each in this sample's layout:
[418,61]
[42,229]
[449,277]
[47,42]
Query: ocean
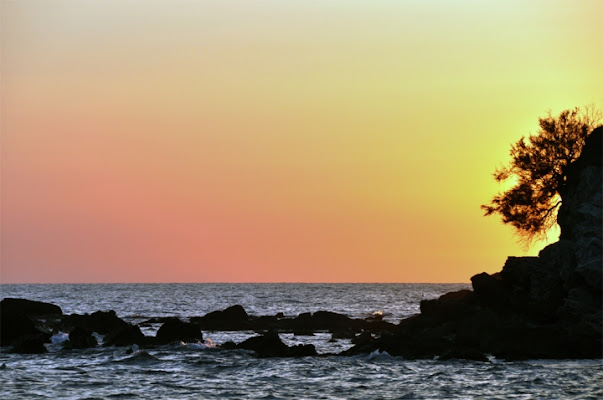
[203,371]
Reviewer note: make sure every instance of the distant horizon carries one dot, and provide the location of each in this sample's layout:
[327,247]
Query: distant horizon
[277,142]
[235,283]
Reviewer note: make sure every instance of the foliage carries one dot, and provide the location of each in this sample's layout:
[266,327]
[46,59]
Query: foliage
[538,168]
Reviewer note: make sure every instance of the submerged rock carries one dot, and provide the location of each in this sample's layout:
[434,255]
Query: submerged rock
[270,345]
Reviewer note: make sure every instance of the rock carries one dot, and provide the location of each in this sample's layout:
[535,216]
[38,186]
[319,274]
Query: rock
[177,330]
[267,345]
[125,335]
[30,344]
[102,322]
[490,289]
[303,332]
[232,318]
[449,304]
[537,307]
[16,326]
[28,307]
[302,350]
[270,345]
[80,338]
[363,338]
[343,334]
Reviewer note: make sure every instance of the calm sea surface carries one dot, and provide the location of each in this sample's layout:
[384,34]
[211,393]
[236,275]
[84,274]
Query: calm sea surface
[199,371]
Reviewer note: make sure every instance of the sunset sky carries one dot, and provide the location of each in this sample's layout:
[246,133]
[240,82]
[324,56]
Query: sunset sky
[274,141]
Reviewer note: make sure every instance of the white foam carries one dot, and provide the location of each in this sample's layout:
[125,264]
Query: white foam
[59,338]
[377,354]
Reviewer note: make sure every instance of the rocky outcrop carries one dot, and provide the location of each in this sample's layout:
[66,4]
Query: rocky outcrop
[18,318]
[176,330]
[548,306]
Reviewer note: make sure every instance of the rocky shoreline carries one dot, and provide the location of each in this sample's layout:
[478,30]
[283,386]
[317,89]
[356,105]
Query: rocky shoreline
[27,325]
[545,307]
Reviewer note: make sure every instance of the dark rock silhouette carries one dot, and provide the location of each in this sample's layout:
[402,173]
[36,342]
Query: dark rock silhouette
[232,318]
[125,335]
[17,326]
[270,345]
[101,322]
[235,318]
[13,327]
[548,306]
[30,344]
[80,338]
[11,306]
[177,330]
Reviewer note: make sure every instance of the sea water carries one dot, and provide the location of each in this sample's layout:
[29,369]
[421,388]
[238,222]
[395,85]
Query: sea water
[202,371]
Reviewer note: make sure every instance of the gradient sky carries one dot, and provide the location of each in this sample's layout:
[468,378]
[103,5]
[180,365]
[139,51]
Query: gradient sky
[274,141]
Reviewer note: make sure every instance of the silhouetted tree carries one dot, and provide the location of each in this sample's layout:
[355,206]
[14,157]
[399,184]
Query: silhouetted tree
[538,167]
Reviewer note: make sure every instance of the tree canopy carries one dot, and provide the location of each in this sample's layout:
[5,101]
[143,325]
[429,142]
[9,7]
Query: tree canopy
[538,168]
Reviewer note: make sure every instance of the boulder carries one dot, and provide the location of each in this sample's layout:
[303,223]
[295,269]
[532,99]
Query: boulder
[16,326]
[177,330]
[102,322]
[125,335]
[232,318]
[267,345]
[14,306]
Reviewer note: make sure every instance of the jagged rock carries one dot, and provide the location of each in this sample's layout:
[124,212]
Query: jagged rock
[177,330]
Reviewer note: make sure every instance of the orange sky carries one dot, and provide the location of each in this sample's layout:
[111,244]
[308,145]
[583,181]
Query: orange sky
[273,141]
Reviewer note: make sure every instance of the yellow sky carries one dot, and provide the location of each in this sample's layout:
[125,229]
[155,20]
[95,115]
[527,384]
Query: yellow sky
[274,140]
